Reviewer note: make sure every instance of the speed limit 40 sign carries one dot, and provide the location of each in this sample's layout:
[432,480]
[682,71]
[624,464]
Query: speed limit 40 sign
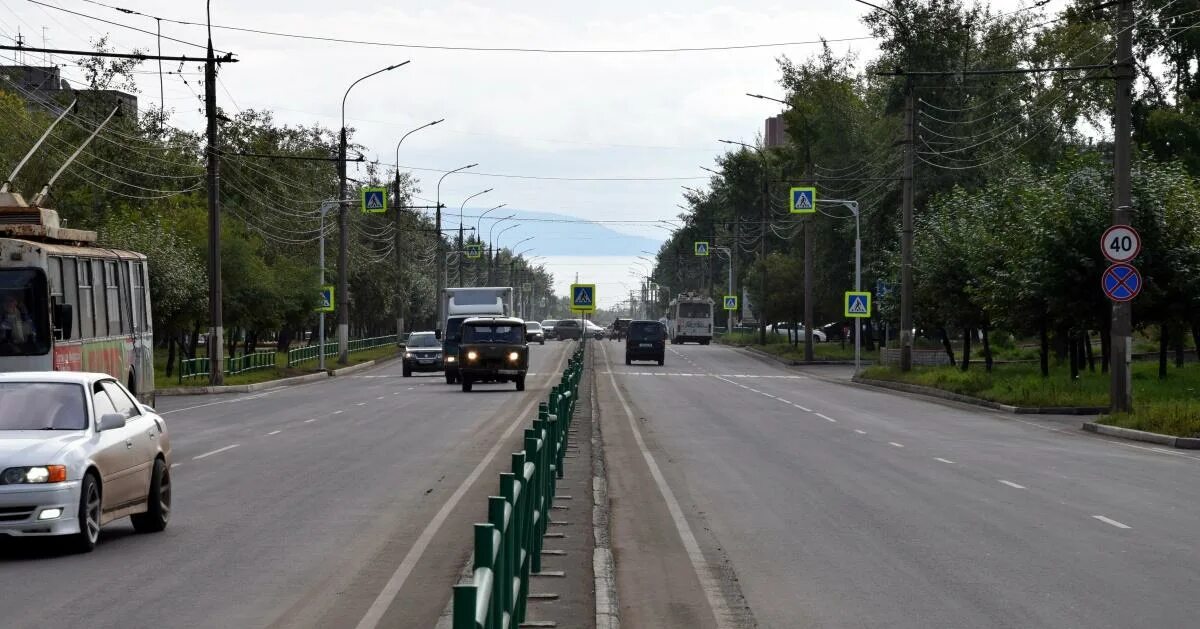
[1121,243]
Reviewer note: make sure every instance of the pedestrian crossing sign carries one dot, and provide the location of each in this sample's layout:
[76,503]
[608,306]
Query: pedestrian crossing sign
[858,305]
[583,297]
[474,251]
[804,200]
[374,200]
[326,302]
[731,302]
[701,248]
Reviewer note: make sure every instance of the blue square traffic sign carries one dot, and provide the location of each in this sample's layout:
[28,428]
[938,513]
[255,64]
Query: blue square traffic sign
[583,297]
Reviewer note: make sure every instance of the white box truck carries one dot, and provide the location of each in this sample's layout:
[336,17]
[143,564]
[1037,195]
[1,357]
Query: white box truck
[459,304]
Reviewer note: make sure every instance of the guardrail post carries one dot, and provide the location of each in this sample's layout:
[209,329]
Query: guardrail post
[502,593]
[464,606]
[485,558]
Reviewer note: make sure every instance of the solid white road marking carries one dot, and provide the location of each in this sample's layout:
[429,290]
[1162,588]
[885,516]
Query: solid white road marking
[827,418]
[274,432]
[174,465]
[379,398]
[387,596]
[1112,522]
[1012,484]
[784,401]
[338,412]
[217,451]
[806,410]
[861,432]
[361,404]
[309,421]
[938,458]
[898,445]
[712,589]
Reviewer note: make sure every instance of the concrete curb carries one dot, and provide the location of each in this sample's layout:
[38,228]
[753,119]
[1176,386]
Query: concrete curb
[242,388]
[1182,443]
[792,362]
[966,399]
[604,571]
[345,371]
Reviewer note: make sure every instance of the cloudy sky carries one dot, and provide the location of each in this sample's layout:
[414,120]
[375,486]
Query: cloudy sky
[654,116]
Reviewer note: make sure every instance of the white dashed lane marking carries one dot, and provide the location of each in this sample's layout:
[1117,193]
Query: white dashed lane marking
[309,421]
[861,432]
[274,432]
[898,445]
[1112,522]
[947,461]
[217,451]
[1012,484]
[827,418]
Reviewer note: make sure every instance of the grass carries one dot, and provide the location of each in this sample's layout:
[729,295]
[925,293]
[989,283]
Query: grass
[778,345]
[281,370]
[1170,406]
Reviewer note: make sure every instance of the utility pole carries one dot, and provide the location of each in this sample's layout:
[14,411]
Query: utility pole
[216,342]
[343,284]
[1121,386]
[906,232]
[809,257]
[401,298]
[762,253]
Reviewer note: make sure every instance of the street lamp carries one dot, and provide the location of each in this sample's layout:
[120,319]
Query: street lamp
[343,287]
[441,254]
[480,219]
[853,207]
[400,301]
[762,243]
[460,231]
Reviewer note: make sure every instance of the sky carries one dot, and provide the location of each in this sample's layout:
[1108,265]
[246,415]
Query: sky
[653,116]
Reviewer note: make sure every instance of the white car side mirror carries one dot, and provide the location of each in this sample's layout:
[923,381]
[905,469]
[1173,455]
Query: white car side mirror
[112,421]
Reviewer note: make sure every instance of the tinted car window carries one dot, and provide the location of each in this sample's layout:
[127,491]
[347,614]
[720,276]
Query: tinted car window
[42,406]
[645,331]
[422,340]
[493,334]
[567,323]
[452,326]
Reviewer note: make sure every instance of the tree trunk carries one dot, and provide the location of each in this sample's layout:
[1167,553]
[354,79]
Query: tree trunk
[170,355]
[1044,334]
[1162,350]
[869,335]
[195,340]
[966,361]
[1073,355]
[1178,339]
[284,342]
[1088,351]
[1196,336]
[1105,347]
[987,349]
[1062,344]
[946,345]
[233,343]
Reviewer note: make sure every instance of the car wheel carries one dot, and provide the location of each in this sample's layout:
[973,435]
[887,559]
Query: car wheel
[628,360]
[661,361]
[407,371]
[520,380]
[89,515]
[543,342]
[466,384]
[158,502]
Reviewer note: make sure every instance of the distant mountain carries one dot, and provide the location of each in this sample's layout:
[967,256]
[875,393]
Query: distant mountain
[559,234]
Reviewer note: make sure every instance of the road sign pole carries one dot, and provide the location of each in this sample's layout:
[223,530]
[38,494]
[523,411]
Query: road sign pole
[857,288]
[1121,385]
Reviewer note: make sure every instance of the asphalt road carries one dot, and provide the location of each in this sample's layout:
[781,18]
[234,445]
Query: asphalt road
[317,505]
[746,493]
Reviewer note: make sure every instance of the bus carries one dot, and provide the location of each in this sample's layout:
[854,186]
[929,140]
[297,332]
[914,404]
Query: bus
[67,304]
[690,318]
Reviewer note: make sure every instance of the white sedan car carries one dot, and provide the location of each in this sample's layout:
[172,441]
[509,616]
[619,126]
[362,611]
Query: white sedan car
[77,451]
[787,329]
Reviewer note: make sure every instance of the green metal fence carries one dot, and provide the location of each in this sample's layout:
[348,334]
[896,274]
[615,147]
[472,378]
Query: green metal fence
[508,548]
[198,367]
[305,354]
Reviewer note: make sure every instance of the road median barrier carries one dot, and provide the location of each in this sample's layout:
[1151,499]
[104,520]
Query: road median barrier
[508,547]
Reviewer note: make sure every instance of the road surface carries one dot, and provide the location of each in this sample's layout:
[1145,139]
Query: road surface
[746,493]
[298,507]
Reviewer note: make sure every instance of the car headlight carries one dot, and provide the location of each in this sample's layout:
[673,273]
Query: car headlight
[34,475]
[408,354]
[472,355]
[450,359]
[513,357]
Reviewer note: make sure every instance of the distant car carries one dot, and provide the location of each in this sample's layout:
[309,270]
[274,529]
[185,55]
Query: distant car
[568,329]
[618,329]
[593,330]
[785,328]
[77,451]
[548,328]
[493,349]
[534,333]
[646,340]
[422,352]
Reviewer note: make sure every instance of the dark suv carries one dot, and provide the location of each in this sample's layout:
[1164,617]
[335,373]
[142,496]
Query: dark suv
[492,349]
[618,330]
[422,352]
[646,340]
[567,329]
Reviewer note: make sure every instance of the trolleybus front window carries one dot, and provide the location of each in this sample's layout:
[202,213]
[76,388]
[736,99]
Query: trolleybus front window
[24,313]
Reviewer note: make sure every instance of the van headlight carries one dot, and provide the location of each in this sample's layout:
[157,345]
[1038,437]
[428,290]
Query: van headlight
[514,357]
[450,359]
[472,355]
[408,354]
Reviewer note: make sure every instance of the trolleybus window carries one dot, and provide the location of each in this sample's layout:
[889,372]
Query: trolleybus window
[24,313]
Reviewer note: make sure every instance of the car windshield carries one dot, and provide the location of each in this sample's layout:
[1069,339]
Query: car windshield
[485,333]
[42,406]
[24,313]
[533,326]
[549,323]
[422,340]
[452,326]
[645,331]
[567,323]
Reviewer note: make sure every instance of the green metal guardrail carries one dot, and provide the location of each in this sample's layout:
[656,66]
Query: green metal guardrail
[197,367]
[508,548]
[305,354]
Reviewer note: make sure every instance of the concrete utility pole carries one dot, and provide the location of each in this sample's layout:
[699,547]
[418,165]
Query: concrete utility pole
[216,343]
[1121,386]
[906,232]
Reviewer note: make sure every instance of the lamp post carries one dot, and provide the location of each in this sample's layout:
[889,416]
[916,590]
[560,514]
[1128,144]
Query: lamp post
[399,252]
[853,207]
[343,287]
[762,243]
[491,246]
[459,275]
[441,253]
